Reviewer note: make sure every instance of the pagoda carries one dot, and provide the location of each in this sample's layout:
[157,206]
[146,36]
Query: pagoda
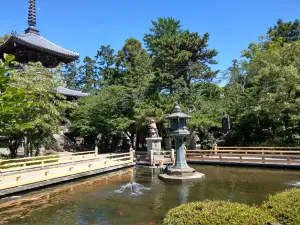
[32,47]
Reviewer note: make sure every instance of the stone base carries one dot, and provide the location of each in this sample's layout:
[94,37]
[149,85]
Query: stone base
[154,144]
[184,172]
[193,177]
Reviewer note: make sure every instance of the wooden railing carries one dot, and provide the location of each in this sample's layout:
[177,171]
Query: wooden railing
[247,154]
[9,180]
[257,148]
[154,157]
[10,165]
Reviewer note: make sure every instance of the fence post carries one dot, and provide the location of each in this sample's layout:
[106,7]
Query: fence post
[152,158]
[133,155]
[173,156]
[96,150]
[216,149]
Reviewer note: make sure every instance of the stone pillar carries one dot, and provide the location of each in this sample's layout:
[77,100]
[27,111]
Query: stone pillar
[168,143]
[180,157]
[154,144]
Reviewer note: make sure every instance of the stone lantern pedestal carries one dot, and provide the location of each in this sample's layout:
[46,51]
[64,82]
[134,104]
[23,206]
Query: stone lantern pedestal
[181,171]
[154,144]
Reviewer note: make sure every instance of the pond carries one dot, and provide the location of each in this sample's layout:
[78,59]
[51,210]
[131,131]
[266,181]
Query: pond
[111,199]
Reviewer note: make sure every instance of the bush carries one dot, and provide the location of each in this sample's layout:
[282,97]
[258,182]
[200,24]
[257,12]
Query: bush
[217,213]
[285,206]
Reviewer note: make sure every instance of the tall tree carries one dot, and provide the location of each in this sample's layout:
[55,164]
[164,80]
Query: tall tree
[271,96]
[181,58]
[70,75]
[284,31]
[135,65]
[105,64]
[89,78]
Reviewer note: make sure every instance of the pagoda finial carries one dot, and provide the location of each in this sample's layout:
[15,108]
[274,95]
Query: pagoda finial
[31,18]
[31,14]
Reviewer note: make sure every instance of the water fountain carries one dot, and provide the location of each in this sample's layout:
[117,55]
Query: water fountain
[134,188]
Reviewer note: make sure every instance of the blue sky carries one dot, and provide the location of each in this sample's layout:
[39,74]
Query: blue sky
[85,25]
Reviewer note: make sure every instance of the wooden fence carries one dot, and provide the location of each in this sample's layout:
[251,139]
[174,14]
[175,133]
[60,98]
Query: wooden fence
[274,155]
[63,169]
[155,158]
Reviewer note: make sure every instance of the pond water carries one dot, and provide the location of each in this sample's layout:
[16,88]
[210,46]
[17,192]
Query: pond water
[112,199]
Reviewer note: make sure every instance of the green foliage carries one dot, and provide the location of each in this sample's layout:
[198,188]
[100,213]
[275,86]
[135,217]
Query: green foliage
[180,57]
[285,31]
[42,108]
[215,213]
[70,75]
[109,112]
[268,87]
[11,97]
[285,206]
[89,79]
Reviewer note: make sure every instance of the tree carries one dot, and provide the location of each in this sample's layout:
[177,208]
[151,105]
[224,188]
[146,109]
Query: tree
[284,32]
[135,65]
[105,65]
[271,96]
[70,75]
[181,58]
[88,77]
[281,33]
[109,113]
[43,109]
[12,101]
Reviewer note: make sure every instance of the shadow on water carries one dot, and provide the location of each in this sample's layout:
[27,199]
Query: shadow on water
[137,196]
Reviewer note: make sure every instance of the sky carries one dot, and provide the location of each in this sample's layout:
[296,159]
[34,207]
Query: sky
[84,25]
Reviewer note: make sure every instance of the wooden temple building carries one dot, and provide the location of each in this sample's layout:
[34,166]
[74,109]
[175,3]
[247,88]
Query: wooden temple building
[32,47]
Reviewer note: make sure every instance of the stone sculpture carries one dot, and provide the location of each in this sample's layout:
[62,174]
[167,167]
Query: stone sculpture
[225,123]
[153,129]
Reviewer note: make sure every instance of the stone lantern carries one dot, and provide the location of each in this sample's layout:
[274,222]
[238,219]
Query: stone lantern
[178,130]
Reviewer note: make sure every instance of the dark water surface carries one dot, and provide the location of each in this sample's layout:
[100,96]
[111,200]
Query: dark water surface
[94,201]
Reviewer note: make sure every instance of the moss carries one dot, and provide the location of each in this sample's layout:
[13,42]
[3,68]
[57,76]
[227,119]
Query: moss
[217,213]
[285,206]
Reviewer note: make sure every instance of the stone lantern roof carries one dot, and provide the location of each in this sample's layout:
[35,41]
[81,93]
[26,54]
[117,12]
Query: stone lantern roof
[177,113]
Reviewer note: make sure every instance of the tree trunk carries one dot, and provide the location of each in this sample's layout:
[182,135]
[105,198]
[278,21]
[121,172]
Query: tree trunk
[13,147]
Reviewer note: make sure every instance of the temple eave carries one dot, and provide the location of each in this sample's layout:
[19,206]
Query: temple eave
[32,47]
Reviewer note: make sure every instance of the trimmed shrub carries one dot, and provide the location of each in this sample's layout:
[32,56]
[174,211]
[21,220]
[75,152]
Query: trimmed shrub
[285,206]
[217,213]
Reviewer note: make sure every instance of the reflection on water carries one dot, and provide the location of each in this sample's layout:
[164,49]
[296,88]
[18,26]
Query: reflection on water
[108,199]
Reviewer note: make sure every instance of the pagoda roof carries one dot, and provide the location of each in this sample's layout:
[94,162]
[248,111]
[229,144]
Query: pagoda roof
[33,47]
[72,93]
[37,42]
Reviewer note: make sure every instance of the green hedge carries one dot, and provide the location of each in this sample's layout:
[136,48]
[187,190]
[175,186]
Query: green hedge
[285,206]
[217,213]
